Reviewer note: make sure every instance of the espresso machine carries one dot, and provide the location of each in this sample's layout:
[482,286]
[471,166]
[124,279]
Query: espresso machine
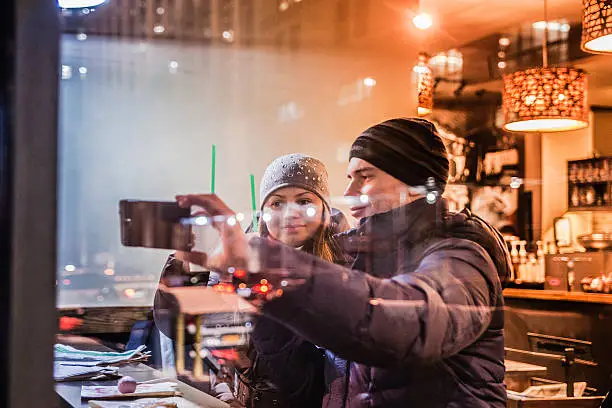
[589,271]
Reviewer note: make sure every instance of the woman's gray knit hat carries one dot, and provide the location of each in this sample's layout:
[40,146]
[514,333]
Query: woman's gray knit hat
[295,170]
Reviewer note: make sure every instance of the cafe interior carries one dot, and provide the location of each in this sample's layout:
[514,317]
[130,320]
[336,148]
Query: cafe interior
[111,100]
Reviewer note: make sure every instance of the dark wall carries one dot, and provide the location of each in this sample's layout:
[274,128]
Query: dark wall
[29,47]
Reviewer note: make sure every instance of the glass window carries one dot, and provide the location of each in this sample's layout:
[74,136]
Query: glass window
[149,86]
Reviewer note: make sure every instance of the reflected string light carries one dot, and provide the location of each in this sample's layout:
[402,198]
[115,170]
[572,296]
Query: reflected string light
[201,221]
[159,29]
[228,35]
[431,197]
[66,72]
[173,67]
[516,182]
[69,268]
[311,211]
[81,36]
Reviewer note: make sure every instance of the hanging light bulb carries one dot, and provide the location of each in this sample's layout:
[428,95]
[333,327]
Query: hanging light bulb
[424,86]
[545,99]
[422,21]
[597,26]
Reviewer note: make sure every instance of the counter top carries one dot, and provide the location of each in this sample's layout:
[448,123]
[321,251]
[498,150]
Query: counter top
[583,297]
[69,393]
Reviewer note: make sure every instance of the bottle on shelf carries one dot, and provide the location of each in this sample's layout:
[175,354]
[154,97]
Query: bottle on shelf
[541,267]
[575,197]
[573,173]
[588,176]
[532,268]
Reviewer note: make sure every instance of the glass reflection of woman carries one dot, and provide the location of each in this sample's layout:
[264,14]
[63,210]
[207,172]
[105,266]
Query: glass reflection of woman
[286,370]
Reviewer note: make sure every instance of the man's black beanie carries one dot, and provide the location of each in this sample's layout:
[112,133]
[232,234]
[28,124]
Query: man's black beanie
[409,149]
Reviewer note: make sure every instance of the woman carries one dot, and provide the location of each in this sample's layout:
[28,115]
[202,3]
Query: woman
[286,370]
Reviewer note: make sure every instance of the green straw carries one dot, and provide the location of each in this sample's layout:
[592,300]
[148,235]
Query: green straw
[212,174]
[253,203]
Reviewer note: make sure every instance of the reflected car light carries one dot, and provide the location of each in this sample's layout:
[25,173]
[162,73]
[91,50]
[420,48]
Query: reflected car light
[129,293]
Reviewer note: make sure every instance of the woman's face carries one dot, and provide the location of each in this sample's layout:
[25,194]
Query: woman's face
[293,215]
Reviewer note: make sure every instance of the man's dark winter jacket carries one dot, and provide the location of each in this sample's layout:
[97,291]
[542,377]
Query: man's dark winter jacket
[419,316]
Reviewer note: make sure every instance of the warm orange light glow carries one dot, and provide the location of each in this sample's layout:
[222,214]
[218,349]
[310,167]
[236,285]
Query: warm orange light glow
[109,272]
[422,21]
[597,27]
[129,293]
[224,288]
[545,100]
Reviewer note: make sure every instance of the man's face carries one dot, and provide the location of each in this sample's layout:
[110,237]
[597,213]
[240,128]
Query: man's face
[384,192]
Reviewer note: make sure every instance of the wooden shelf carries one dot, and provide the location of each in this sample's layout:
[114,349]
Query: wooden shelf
[583,297]
[601,208]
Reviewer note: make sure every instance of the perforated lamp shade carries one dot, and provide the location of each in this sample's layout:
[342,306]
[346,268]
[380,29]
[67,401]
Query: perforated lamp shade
[597,26]
[545,100]
[425,89]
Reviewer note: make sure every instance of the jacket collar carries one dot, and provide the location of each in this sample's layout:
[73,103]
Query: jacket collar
[410,223]
[411,220]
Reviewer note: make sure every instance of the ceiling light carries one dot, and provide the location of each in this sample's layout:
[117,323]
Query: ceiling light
[369,82]
[597,26]
[422,21]
[545,99]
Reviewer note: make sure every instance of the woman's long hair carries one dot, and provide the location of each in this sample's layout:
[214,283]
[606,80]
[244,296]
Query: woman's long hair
[322,244]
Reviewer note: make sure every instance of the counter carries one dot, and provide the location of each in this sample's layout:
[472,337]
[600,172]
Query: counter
[535,294]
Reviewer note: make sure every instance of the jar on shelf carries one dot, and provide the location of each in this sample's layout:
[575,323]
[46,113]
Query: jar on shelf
[575,197]
[573,172]
[589,172]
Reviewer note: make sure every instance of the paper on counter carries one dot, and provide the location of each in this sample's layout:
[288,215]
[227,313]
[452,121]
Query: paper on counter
[553,390]
[177,402]
[163,389]
[67,354]
[68,372]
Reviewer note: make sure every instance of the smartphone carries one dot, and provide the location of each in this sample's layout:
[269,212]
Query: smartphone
[155,224]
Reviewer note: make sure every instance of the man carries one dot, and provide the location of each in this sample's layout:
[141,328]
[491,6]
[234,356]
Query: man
[419,315]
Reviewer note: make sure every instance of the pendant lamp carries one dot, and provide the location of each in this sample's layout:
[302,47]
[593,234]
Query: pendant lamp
[547,99]
[597,26]
[425,85]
